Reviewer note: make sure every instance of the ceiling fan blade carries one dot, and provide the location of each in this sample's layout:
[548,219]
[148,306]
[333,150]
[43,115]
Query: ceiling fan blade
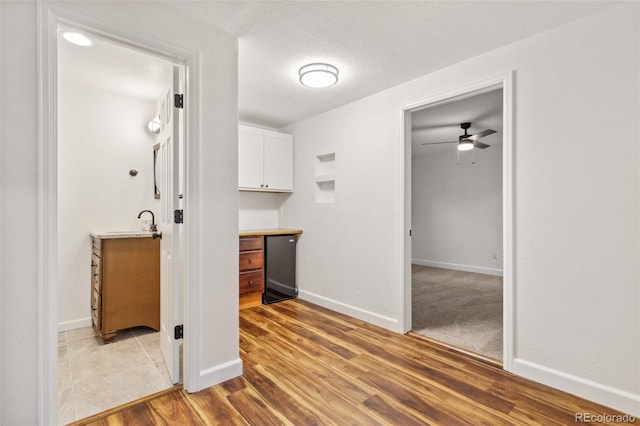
[480,145]
[437,143]
[482,134]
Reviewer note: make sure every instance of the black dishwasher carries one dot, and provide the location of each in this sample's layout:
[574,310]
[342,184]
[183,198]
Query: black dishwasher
[280,268]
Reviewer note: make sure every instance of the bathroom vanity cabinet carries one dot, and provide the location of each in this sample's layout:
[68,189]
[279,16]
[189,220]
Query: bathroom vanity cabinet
[125,282]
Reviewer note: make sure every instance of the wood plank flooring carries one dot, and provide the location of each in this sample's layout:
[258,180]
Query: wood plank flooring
[306,365]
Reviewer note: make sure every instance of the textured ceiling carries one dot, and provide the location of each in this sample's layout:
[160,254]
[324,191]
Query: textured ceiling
[111,67]
[441,123]
[375,44]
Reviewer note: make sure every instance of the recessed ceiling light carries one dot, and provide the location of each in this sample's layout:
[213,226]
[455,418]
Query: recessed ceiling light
[77,38]
[318,75]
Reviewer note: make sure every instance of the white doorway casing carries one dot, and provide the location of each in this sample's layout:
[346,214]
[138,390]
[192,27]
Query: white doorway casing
[504,82]
[204,362]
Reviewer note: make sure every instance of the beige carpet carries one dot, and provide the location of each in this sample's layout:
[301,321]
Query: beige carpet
[463,309]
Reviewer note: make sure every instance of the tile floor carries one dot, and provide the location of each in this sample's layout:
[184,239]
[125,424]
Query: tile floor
[93,377]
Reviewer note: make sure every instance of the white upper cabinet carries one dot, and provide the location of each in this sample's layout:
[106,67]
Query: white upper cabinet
[265,160]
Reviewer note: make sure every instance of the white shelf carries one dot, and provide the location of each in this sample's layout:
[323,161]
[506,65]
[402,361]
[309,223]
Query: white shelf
[325,178]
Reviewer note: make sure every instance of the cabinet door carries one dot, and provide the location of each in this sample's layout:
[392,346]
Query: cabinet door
[278,161]
[250,157]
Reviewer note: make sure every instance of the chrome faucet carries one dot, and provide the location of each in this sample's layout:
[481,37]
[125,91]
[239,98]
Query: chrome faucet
[153,227]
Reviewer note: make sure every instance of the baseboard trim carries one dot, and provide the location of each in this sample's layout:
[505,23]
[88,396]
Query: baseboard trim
[617,399]
[219,373]
[353,311]
[72,325]
[458,267]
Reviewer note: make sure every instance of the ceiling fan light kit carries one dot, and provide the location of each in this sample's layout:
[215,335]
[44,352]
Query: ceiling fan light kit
[465,145]
[468,142]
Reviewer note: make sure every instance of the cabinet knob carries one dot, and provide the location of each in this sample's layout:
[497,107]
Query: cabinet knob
[262,185]
[266,186]
[250,261]
[250,283]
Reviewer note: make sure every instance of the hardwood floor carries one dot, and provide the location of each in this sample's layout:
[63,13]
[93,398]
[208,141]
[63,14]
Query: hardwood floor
[304,364]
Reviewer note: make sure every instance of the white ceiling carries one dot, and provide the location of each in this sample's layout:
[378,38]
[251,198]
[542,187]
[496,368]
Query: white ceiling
[375,44]
[113,68]
[441,123]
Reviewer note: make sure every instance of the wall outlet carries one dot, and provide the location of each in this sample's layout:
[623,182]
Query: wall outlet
[494,254]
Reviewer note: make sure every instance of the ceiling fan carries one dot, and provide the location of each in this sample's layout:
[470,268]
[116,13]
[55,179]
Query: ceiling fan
[466,142]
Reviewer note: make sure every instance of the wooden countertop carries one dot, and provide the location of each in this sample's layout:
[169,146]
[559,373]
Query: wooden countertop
[269,231]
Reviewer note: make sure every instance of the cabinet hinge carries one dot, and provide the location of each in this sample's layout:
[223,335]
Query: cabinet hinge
[178,332]
[178,100]
[178,216]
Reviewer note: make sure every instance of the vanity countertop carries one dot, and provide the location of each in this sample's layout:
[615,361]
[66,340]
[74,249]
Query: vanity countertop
[269,231]
[121,234]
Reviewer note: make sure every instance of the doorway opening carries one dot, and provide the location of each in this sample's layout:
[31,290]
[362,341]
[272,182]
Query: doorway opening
[108,173]
[456,223]
[458,213]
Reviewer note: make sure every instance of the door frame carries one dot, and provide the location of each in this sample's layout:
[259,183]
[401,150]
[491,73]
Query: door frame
[504,82]
[49,16]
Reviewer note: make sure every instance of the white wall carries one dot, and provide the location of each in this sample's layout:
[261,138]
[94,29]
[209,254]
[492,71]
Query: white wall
[18,242]
[576,162]
[457,210]
[212,175]
[101,136]
[259,209]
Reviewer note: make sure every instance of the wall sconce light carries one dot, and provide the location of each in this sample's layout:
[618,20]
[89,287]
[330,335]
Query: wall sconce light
[154,125]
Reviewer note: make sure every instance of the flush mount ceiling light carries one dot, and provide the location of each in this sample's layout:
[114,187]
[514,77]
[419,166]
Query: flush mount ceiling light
[77,38]
[318,75]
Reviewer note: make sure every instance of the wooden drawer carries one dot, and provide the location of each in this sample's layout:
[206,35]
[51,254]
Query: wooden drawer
[96,246]
[251,260]
[251,243]
[251,282]
[95,309]
[96,265]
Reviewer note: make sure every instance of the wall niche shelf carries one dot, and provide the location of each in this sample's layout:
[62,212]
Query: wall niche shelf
[325,178]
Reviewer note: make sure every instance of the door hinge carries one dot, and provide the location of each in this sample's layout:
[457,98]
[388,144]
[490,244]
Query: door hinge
[178,100]
[178,332]
[178,216]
